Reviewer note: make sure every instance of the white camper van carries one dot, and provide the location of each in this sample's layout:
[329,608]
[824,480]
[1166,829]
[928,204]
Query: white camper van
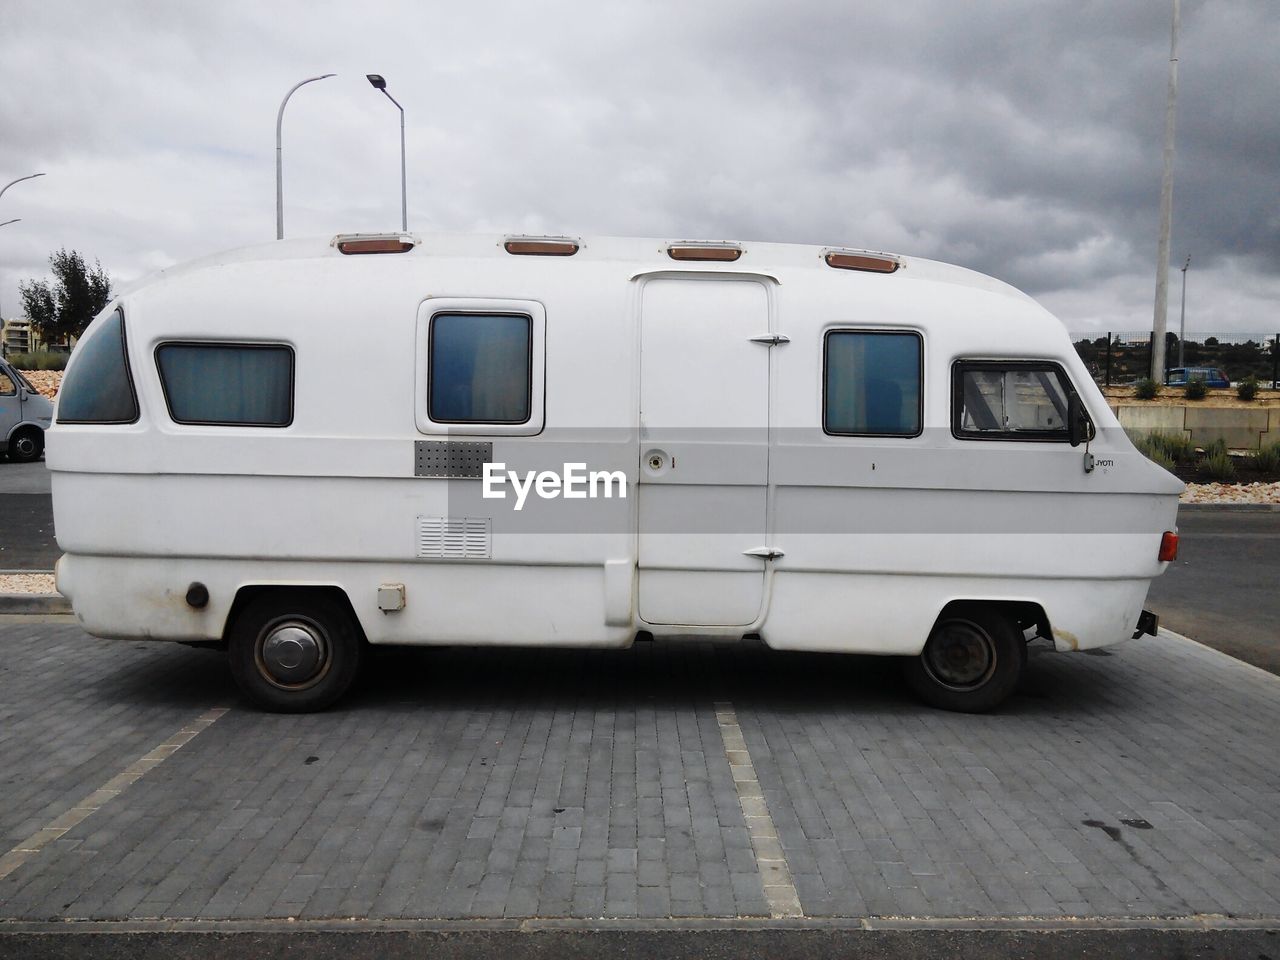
[301,449]
[24,416]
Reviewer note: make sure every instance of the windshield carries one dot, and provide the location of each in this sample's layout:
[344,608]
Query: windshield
[23,380]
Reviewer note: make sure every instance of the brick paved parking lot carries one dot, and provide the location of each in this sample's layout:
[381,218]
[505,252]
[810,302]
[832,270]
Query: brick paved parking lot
[1140,782]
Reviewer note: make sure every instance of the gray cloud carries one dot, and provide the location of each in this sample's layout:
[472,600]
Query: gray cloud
[1019,138]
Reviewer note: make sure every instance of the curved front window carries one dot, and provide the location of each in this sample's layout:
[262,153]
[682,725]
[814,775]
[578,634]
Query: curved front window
[98,387]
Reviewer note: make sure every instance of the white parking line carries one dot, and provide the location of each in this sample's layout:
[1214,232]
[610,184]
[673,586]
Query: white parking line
[90,805]
[779,889]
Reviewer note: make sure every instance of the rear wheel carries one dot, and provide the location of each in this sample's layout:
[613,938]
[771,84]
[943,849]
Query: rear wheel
[294,652]
[26,445]
[971,662]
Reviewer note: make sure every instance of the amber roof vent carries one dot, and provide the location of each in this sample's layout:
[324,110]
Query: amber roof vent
[541,246]
[352,243]
[864,260]
[713,252]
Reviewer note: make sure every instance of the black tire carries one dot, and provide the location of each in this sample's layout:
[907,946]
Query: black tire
[972,661]
[26,445]
[295,652]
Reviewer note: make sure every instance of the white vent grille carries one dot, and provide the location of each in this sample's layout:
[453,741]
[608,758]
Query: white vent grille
[464,538]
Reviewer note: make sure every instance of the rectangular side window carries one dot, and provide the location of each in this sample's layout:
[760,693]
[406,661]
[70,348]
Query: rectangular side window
[871,384]
[480,368]
[227,384]
[1009,400]
[98,387]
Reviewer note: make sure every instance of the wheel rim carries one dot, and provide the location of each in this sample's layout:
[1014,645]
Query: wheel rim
[293,653]
[25,446]
[960,655]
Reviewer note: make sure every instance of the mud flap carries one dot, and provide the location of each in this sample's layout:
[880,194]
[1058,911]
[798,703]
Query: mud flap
[1147,623]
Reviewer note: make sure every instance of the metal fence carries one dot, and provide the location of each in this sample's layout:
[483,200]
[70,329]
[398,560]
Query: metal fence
[1119,357]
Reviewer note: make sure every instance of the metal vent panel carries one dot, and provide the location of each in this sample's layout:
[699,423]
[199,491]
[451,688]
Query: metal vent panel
[451,459]
[454,538]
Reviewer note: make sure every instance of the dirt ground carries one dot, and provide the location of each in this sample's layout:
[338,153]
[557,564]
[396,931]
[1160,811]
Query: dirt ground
[1176,397]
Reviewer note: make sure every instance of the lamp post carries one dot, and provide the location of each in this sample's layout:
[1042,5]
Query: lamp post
[30,176]
[1182,324]
[5,224]
[380,84]
[279,160]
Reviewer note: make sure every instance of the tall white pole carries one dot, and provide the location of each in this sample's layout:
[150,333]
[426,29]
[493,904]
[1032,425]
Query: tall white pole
[5,224]
[279,160]
[1166,212]
[1182,323]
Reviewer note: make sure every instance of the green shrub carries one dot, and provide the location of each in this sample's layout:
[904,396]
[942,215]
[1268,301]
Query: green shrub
[1162,447]
[1196,389]
[1146,389]
[1268,459]
[1247,388]
[1166,449]
[39,361]
[1220,466]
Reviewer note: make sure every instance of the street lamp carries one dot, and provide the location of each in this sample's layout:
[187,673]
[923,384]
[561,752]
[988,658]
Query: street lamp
[279,161]
[30,176]
[6,223]
[1182,324]
[380,84]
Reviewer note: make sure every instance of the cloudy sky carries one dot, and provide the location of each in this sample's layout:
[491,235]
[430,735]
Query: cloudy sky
[1021,138]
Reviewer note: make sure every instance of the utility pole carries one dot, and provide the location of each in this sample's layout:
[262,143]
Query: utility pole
[1166,212]
[1182,323]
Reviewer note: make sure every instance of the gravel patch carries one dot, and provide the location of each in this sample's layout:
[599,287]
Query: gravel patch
[27,583]
[46,381]
[1231,493]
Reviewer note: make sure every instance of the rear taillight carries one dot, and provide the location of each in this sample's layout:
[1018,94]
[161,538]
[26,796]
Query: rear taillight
[1168,547]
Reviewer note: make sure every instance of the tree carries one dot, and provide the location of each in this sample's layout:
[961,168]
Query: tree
[61,310]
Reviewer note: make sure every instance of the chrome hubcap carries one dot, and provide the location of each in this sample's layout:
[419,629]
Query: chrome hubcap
[293,654]
[25,446]
[960,655]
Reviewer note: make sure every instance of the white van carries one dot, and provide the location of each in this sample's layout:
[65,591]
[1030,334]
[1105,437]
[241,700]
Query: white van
[24,416]
[299,449]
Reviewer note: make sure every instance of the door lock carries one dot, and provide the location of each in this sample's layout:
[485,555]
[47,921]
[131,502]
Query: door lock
[655,461]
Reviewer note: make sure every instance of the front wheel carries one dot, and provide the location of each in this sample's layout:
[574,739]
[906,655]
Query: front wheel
[294,653]
[971,662]
[26,445]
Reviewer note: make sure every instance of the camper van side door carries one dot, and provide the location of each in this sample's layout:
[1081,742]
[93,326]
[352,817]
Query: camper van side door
[704,455]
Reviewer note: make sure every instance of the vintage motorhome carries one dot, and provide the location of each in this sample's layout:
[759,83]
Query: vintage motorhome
[303,448]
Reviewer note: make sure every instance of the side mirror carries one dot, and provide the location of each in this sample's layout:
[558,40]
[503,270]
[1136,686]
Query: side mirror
[1079,427]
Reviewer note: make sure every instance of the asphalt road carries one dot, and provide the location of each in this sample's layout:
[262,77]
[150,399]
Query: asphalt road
[1224,588]
[26,517]
[1221,590]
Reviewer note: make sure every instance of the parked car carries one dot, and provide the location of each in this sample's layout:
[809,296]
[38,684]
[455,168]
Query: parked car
[1212,376]
[24,416]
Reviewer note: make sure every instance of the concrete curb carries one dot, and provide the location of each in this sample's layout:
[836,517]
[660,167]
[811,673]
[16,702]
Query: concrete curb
[642,940]
[34,603]
[1229,507]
